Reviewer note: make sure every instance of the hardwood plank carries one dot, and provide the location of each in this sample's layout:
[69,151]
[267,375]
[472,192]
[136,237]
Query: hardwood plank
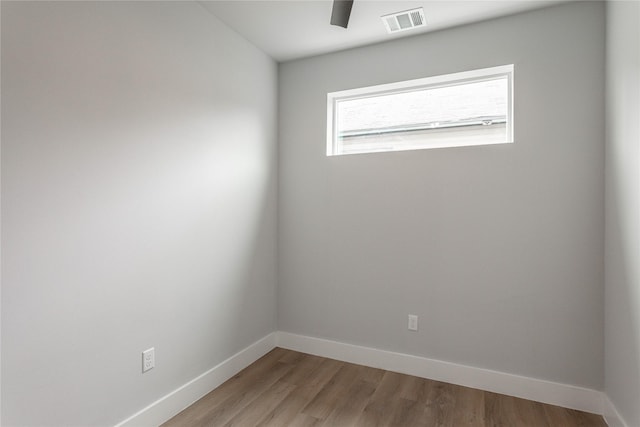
[349,409]
[380,408]
[287,388]
[304,420]
[306,367]
[372,375]
[440,402]
[469,408]
[232,386]
[310,382]
[262,405]
[501,410]
[409,413]
[324,402]
[235,402]
[295,358]
[585,419]
[284,413]
[415,389]
[558,416]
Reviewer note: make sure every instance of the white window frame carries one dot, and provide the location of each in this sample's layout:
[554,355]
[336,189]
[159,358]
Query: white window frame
[414,85]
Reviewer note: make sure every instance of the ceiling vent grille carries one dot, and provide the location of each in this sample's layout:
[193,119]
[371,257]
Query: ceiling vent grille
[403,21]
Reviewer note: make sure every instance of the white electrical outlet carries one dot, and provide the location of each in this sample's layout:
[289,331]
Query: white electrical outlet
[413,322]
[148,359]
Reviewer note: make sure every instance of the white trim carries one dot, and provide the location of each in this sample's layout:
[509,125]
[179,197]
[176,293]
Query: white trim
[331,125]
[166,407]
[564,395]
[611,415]
[433,81]
[553,393]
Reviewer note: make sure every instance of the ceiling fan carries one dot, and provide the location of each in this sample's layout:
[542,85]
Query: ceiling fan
[341,12]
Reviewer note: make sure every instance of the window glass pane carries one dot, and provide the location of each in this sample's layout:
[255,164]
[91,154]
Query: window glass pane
[469,112]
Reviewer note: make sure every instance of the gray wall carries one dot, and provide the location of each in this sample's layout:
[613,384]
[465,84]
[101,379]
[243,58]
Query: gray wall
[138,204]
[498,249]
[622,297]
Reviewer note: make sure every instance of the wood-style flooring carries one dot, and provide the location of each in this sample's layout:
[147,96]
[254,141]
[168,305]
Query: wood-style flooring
[287,388]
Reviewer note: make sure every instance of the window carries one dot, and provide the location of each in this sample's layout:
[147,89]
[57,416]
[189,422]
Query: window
[461,109]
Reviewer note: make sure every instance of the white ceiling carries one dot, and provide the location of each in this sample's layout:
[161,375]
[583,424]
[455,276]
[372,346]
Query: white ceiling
[294,29]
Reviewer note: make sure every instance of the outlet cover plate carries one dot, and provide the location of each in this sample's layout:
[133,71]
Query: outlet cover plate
[413,322]
[148,359]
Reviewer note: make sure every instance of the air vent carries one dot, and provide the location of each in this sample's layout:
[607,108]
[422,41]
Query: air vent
[403,21]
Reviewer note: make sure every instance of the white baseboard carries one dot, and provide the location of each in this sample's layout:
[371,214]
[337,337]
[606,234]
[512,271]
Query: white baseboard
[171,404]
[564,395]
[611,414]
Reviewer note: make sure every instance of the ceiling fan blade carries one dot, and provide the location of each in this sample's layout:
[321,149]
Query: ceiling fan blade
[341,12]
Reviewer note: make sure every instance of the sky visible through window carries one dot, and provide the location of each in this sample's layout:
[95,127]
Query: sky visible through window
[457,105]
